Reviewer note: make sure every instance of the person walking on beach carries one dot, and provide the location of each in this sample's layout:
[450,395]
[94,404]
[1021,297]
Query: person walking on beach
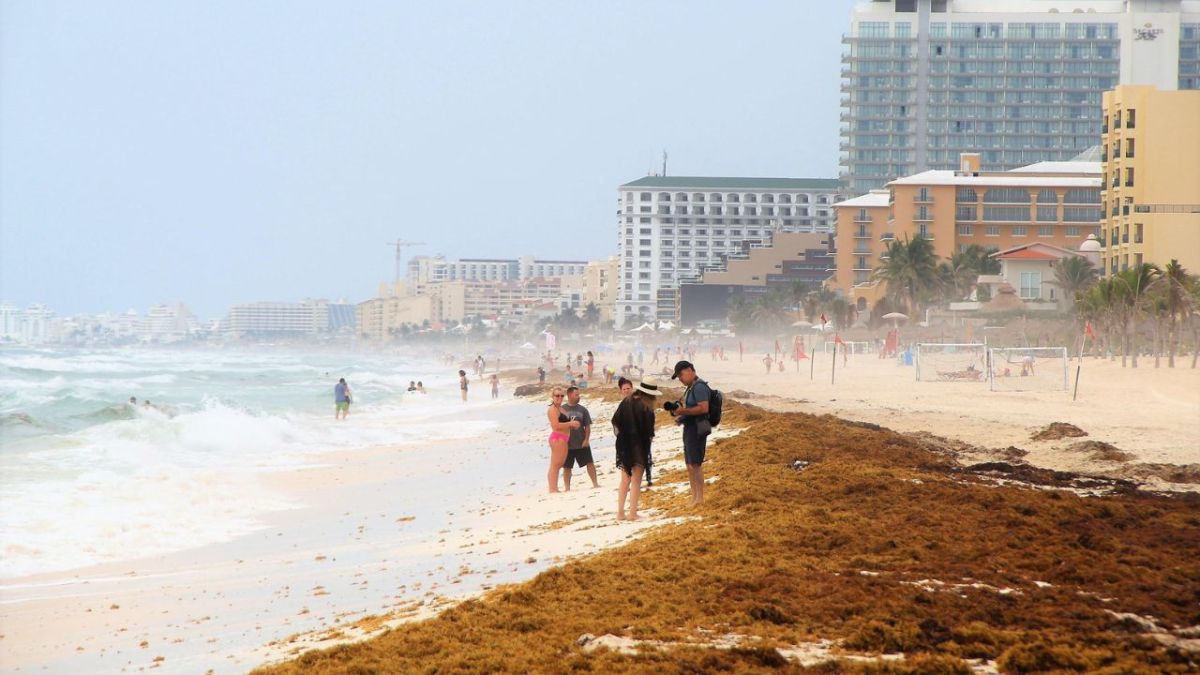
[463,384]
[591,364]
[495,386]
[579,448]
[692,413]
[634,422]
[766,362]
[560,429]
[341,399]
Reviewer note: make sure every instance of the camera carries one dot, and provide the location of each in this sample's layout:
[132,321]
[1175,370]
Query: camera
[671,406]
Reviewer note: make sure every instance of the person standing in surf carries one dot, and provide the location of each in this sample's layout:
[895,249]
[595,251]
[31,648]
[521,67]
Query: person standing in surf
[341,399]
[463,384]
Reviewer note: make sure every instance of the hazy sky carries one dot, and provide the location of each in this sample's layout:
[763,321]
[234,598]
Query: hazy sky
[220,152]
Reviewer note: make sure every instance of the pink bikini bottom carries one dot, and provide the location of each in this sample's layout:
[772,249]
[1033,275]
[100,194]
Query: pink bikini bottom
[558,436]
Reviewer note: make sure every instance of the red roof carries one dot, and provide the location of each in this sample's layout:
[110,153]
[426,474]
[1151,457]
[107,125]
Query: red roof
[1027,254]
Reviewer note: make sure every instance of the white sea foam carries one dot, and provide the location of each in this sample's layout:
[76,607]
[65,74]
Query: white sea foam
[114,482]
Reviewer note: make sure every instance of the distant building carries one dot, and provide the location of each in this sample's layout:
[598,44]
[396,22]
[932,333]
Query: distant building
[1151,169]
[787,258]
[1030,270]
[1018,81]
[1056,203]
[670,229]
[424,270]
[307,317]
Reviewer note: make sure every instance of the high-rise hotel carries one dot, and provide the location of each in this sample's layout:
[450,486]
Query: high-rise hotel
[674,228]
[1018,81]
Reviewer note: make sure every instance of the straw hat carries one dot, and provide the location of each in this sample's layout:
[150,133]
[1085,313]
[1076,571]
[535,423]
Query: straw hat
[648,386]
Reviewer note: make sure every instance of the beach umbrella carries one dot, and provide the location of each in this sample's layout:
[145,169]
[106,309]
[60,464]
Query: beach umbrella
[666,325]
[895,317]
[527,346]
[801,324]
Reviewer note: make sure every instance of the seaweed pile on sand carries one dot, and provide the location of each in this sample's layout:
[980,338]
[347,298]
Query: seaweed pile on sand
[825,545]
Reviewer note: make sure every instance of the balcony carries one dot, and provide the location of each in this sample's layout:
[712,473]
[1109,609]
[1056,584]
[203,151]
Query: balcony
[862,235]
[922,199]
[862,249]
[862,219]
[887,236]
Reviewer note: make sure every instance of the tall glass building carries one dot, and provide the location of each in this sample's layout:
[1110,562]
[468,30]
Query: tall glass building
[1018,81]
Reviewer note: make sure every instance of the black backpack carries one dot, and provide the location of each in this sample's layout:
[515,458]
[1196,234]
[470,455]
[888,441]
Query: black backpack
[716,400]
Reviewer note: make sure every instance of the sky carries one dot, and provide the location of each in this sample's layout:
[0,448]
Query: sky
[220,152]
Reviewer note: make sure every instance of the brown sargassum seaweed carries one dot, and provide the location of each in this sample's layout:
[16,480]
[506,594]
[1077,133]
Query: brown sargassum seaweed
[872,540]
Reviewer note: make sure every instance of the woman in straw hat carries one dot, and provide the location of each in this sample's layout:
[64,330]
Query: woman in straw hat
[634,422]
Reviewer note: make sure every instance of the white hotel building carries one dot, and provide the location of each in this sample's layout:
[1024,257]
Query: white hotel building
[673,228]
[423,270]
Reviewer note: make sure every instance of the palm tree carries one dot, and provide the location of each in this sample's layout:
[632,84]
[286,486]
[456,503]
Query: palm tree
[799,290]
[771,311]
[910,272]
[1134,285]
[1074,274]
[961,273]
[740,317]
[1175,280]
[591,314]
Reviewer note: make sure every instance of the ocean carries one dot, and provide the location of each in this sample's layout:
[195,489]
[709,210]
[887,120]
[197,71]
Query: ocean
[87,478]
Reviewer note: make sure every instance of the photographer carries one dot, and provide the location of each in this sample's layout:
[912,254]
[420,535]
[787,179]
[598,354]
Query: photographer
[692,413]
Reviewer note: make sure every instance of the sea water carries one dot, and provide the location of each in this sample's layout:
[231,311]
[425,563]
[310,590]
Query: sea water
[86,477]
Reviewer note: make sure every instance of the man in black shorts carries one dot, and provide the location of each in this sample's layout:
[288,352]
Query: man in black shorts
[579,450]
[692,413]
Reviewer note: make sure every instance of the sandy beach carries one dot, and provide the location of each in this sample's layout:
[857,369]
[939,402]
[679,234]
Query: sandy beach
[385,535]
[1152,415]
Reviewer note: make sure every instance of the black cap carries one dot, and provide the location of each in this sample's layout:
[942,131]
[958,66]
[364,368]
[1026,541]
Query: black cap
[680,367]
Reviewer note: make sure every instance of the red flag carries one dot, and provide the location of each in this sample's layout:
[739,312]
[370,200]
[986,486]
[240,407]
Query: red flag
[823,319]
[1087,330]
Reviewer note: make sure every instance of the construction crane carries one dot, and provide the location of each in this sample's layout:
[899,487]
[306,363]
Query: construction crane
[400,245]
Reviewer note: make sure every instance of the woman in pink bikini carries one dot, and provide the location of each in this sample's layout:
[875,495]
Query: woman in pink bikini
[560,428]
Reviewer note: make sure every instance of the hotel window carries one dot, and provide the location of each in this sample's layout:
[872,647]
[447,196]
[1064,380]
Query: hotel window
[644,230]
[681,197]
[664,197]
[992,231]
[1047,196]
[1130,118]
[923,194]
[1129,176]
[698,197]
[966,195]
[966,230]
[668,230]
[1073,231]
[1018,230]
[1129,147]
[1045,230]
[644,209]
[734,198]
[629,230]
[1047,214]
[923,230]
[643,242]
[644,264]
[643,275]
[966,213]
[923,213]
[1031,285]
[752,198]
[1006,196]
[715,198]
[644,221]
[1081,214]
[1137,233]
[645,196]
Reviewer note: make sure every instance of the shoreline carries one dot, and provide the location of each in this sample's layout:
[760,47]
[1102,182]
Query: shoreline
[355,550]
[826,541]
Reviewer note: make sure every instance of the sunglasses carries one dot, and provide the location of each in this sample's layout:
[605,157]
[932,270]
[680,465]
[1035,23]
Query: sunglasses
[557,396]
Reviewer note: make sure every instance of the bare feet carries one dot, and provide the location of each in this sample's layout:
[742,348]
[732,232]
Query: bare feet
[633,516]
[620,517]
[553,491]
